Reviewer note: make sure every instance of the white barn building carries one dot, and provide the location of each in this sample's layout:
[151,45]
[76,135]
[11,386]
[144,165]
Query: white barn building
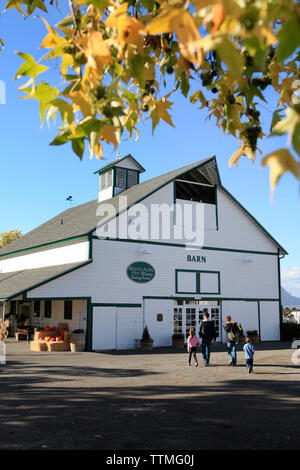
[114,285]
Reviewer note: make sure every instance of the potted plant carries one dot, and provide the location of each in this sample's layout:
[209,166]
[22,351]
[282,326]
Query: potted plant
[146,342]
[253,335]
[178,340]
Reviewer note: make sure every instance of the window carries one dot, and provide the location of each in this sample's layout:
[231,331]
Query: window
[195,192]
[37,308]
[121,177]
[105,180]
[109,179]
[48,309]
[197,282]
[132,178]
[68,310]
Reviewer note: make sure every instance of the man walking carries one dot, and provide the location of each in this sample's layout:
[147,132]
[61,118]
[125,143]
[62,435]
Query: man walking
[233,332]
[207,333]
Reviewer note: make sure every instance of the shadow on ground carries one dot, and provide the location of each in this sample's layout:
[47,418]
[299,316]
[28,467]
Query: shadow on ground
[41,409]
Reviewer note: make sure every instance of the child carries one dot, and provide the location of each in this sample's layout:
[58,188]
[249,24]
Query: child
[249,354]
[192,344]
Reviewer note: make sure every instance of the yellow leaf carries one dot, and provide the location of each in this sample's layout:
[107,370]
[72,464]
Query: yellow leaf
[199,4]
[130,30]
[160,112]
[271,39]
[112,20]
[280,161]
[81,103]
[243,150]
[179,20]
[98,150]
[52,39]
[107,134]
[97,53]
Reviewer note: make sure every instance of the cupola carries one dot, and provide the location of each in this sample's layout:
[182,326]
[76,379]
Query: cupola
[117,176]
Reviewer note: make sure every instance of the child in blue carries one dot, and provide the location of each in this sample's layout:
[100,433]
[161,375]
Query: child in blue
[249,354]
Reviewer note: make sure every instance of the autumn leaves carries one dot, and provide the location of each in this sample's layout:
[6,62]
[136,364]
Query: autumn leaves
[117,60]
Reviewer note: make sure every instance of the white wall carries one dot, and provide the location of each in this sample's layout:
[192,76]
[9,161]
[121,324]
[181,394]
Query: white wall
[235,229]
[71,253]
[160,331]
[116,327]
[269,321]
[106,280]
[245,313]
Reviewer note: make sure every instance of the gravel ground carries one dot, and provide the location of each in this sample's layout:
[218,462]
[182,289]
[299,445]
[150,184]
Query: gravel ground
[148,400]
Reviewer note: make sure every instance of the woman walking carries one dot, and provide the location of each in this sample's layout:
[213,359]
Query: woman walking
[192,344]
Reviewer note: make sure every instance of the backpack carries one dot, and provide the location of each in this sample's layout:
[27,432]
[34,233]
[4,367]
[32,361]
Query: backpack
[234,333]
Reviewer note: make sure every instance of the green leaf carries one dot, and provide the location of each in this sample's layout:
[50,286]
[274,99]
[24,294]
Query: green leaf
[286,125]
[100,5]
[184,84]
[78,147]
[149,4]
[65,109]
[198,96]
[289,39]
[44,93]
[230,54]
[62,137]
[277,116]
[30,68]
[296,137]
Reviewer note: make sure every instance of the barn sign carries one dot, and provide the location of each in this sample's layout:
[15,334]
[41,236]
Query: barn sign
[140,272]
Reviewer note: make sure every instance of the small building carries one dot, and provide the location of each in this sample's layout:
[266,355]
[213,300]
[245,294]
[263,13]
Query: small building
[159,253]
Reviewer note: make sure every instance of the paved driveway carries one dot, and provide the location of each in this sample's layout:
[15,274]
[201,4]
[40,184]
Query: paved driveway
[152,400]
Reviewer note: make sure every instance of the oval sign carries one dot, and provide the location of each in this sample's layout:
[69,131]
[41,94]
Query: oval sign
[140,272]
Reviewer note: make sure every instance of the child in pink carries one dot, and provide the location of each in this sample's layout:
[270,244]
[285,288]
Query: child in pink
[192,344]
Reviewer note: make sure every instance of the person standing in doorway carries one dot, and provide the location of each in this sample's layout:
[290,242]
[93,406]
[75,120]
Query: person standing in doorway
[249,354]
[207,333]
[233,332]
[193,343]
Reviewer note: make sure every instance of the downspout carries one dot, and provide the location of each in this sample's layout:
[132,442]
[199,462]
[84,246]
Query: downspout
[279,292]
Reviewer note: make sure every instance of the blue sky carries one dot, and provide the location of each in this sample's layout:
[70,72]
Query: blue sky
[36,178]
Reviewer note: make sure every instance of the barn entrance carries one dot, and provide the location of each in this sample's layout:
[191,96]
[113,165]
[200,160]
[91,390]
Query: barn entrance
[189,313]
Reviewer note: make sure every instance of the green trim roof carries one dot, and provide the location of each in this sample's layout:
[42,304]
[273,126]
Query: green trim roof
[16,283]
[110,165]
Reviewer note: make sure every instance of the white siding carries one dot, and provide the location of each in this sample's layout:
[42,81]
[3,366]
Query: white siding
[160,331]
[245,313]
[105,194]
[129,327]
[236,230]
[106,281]
[104,328]
[51,257]
[269,321]
[116,327]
